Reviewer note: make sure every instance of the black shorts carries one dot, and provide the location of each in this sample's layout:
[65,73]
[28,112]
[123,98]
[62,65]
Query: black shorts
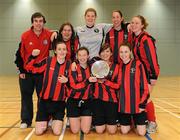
[138,119]
[46,108]
[104,112]
[78,107]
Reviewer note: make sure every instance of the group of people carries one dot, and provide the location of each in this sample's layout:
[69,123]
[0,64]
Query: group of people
[65,80]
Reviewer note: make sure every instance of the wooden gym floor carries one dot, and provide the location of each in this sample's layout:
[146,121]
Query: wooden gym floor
[166,97]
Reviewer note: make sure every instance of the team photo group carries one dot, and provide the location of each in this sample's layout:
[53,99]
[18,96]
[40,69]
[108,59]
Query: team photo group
[100,76]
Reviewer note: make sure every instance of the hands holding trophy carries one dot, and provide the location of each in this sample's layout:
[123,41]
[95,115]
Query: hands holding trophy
[100,70]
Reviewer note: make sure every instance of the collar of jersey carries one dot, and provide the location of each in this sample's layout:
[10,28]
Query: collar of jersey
[89,27]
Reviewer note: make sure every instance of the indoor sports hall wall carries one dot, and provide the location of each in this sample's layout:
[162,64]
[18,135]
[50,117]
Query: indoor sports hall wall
[162,15]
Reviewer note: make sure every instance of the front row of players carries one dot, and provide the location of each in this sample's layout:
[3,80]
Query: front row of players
[122,95]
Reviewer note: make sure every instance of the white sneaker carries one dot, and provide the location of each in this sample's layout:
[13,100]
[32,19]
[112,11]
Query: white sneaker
[23,125]
[50,122]
[151,127]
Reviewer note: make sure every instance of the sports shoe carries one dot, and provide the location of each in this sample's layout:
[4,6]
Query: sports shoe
[23,125]
[151,127]
[50,122]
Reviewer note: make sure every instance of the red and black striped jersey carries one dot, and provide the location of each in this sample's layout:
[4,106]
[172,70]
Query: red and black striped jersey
[30,41]
[115,39]
[52,88]
[144,49]
[71,45]
[134,88]
[79,82]
[107,91]
[71,49]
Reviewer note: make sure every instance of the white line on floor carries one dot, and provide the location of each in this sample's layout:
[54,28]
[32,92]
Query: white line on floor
[171,113]
[30,134]
[63,130]
[167,103]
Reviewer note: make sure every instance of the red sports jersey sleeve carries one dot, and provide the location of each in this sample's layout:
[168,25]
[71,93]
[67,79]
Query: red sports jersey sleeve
[145,51]
[74,83]
[115,84]
[80,86]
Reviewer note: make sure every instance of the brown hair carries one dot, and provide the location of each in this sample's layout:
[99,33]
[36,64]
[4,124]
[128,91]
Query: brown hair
[126,44]
[72,29]
[143,21]
[82,48]
[37,15]
[90,10]
[105,46]
[57,43]
[118,11]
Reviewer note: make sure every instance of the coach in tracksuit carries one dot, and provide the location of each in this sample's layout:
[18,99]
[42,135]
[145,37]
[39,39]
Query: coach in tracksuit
[37,37]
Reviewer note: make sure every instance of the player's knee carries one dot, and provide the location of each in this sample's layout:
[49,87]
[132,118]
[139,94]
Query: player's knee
[125,130]
[85,130]
[39,131]
[112,130]
[75,130]
[100,130]
[57,132]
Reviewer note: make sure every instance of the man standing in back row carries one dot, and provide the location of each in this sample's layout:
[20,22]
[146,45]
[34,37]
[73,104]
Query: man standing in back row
[37,37]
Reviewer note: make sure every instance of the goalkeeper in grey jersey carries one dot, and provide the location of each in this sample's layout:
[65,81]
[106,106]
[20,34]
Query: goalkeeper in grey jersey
[91,35]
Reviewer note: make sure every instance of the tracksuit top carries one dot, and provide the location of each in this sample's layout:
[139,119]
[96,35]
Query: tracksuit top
[30,41]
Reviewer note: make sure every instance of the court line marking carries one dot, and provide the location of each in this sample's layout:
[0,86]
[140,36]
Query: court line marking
[8,127]
[81,135]
[147,136]
[30,134]
[9,101]
[166,98]
[2,134]
[168,103]
[173,114]
[63,130]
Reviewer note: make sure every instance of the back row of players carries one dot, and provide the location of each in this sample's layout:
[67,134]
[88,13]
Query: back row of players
[122,95]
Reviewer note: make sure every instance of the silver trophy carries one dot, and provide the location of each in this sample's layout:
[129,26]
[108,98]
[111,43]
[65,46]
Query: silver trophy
[100,69]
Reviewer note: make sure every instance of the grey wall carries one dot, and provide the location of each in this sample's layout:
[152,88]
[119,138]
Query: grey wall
[162,16]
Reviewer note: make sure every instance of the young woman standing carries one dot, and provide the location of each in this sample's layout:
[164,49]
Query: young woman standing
[144,50]
[66,34]
[92,35]
[118,34]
